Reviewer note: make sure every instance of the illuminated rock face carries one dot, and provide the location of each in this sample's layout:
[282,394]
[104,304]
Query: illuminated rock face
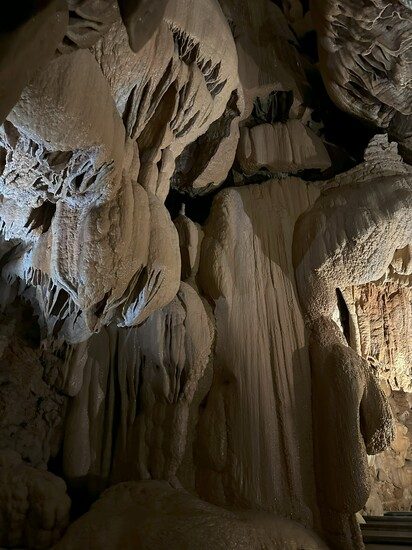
[85,205]
[237,376]
[380,322]
[255,430]
[365,56]
[358,229]
[381,327]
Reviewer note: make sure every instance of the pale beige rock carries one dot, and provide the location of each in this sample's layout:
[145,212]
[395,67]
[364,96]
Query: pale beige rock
[365,59]
[268,59]
[229,404]
[381,331]
[88,21]
[204,164]
[391,471]
[94,245]
[280,147]
[349,412]
[75,204]
[349,236]
[147,378]
[141,18]
[177,89]
[255,430]
[28,47]
[157,284]
[175,345]
[352,232]
[34,506]
[149,515]
[381,328]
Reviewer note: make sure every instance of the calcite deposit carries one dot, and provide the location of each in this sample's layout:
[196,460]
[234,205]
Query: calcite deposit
[256,421]
[34,506]
[205,272]
[365,55]
[175,519]
[380,329]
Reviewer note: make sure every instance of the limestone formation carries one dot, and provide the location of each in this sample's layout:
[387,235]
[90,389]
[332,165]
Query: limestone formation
[381,327]
[88,21]
[391,471]
[349,411]
[268,59]
[190,241]
[351,235]
[141,18]
[281,147]
[204,367]
[34,506]
[73,204]
[354,230]
[31,407]
[365,57]
[255,430]
[172,91]
[29,36]
[156,369]
[151,514]
[84,187]
[380,331]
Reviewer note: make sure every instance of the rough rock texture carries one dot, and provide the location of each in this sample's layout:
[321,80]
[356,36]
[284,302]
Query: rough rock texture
[72,203]
[268,59]
[75,201]
[391,471]
[28,40]
[381,331]
[349,411]
[250,353]
[88,21]
[255,430]
[351,235]
[353,231]
[130,418]
[365,58]
[150,515]
[178,96]
[274,86]
[34,506]
[381,328]
[31,409]
[280,147]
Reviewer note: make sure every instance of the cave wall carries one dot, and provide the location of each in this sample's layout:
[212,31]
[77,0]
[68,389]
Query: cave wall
[381,327]
[205,262]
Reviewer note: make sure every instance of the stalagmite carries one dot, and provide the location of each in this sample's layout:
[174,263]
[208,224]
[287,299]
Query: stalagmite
[349,236]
